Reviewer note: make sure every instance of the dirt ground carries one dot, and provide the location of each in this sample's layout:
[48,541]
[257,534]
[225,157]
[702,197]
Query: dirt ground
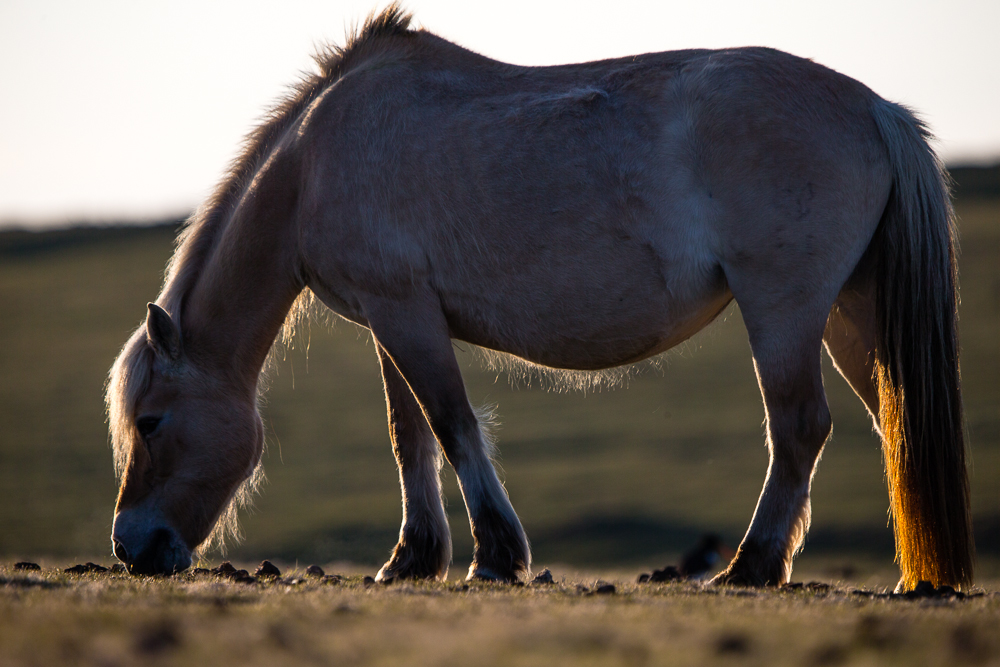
[50,617]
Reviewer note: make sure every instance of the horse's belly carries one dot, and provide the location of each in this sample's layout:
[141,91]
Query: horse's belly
[590,319]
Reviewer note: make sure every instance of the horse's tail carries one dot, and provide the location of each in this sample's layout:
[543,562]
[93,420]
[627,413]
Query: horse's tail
[916,360]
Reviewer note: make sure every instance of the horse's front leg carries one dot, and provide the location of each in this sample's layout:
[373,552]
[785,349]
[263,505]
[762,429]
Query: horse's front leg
[787,360]
[424,547]
[414,336]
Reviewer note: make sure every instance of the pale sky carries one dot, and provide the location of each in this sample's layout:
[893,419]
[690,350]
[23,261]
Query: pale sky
[132,109]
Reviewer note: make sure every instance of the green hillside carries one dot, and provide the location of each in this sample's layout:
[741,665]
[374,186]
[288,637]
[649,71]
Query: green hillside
[621,476]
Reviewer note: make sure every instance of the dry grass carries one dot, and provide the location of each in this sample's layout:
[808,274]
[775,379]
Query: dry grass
[50,617]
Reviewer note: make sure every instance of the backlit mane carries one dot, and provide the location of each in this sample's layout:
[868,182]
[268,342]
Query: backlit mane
[129,376]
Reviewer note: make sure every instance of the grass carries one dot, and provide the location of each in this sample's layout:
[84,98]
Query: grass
[51,617]
[604,479]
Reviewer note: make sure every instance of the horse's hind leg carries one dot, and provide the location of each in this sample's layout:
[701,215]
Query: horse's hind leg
[850,338]
[424,548]
[786,353]
[414,334]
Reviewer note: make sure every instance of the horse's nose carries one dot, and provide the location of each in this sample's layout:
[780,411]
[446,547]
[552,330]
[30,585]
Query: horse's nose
[121,553]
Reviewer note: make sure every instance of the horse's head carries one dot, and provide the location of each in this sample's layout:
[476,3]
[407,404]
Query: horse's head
[186,440]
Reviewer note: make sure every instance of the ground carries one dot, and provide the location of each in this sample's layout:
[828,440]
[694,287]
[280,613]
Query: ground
[52,617]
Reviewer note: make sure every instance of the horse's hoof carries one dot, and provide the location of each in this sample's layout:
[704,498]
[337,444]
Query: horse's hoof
[477,573]
[410,570]
[739,579]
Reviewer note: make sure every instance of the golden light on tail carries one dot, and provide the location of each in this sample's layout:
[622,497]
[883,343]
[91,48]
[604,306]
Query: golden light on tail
[917,371]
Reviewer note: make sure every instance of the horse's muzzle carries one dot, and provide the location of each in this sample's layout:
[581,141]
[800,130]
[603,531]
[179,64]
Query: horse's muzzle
[145,549]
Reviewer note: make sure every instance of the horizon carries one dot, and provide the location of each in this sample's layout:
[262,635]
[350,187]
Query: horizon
[131,113]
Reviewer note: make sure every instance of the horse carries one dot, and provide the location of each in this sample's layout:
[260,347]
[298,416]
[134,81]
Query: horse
[577,217]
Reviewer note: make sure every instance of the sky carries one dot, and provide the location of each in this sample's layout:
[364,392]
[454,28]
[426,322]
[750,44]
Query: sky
[131,110]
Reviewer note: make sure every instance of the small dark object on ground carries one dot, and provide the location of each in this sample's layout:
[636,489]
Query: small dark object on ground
[331,579]
[368,581]
[732,644]
[200,571]
[642,578]
[791,586]
[85,568]
[118,568]
[604,588]
[224,570]
[315,571]
[669,573]
[925,589]
[543,577]
[818,586]
[267,569]
[243,577]
[157,638]
[24,565]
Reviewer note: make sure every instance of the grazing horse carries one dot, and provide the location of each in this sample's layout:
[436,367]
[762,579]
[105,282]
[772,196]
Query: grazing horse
[578,217]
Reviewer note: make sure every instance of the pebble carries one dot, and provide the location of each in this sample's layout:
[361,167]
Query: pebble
[267,569]
[85,568]
[669,573]
[315,571]
[225,568]
[543,577]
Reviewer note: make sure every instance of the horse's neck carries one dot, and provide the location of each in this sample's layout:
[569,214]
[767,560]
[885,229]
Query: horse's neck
[240,300]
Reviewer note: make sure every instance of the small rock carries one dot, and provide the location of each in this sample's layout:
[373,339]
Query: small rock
[242,577]
[669,573]
[604,588]
[225,569]
[923,589]
[792,586]
[24,565]
[642,578]
[315,571]
[85,568]
[368,581]
[543,577]
[267,569]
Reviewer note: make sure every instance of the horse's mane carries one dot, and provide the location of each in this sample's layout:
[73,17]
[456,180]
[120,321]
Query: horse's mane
[129,378]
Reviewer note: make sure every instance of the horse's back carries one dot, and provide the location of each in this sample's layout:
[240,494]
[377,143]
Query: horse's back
[590,209]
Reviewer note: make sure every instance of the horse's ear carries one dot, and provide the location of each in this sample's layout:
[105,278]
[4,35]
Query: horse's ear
[162,333]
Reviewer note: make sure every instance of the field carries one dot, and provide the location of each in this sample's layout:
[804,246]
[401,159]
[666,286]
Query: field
[107,619]
[608,482]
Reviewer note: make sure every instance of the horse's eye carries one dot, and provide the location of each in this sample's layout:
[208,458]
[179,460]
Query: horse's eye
[147,424]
